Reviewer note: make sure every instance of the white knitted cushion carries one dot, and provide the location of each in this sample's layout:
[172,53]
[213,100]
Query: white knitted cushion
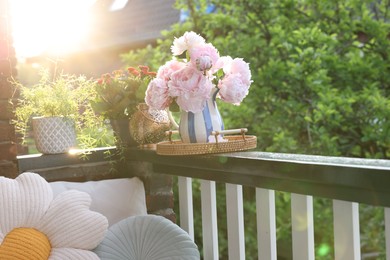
[148,237]
[116,199]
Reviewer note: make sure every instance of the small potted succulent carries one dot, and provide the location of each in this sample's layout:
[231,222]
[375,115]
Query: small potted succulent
[59,110]
[120,98]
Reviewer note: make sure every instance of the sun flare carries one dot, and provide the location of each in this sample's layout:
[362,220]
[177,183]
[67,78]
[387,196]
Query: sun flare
[49,26]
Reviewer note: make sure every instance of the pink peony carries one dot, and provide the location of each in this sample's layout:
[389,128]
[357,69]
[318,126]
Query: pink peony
[165,71]
[191,88]
[204,63]
[222,62]
[157,94]
[186,42]
[191,102]
[238,65]
[202,52]
[233,89]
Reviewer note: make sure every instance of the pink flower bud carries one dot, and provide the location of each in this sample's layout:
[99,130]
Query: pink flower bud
[204,63]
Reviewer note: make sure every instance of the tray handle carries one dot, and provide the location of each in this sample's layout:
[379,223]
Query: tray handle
[241,131]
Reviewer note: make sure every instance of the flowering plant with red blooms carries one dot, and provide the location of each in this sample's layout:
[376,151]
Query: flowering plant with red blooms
[121,91]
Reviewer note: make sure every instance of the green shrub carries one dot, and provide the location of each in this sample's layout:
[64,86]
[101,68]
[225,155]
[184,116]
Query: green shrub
[321,84]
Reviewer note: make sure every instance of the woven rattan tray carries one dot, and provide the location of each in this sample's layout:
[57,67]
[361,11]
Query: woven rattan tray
[234,143]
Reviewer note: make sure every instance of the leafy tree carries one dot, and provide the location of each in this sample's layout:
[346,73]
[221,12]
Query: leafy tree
[321,84]
[320,70]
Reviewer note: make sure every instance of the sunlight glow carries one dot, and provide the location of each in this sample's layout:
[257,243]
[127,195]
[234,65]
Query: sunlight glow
[56,26]
[118,5]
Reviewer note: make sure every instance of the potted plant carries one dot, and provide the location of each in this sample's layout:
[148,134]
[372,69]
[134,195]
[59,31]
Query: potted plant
[120,99]
[59,109]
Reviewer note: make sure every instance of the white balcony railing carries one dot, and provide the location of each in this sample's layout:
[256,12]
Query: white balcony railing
[346,181]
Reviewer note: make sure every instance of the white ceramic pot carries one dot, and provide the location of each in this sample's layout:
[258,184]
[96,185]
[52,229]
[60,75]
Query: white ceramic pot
[54,135]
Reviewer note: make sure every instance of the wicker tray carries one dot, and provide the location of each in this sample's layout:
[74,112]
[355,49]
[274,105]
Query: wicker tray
[235,143]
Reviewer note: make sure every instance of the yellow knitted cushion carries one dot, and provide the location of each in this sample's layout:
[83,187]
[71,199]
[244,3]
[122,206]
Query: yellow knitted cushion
[25,243]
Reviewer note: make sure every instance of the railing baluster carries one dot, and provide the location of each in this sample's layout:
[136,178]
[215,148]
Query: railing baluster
[235,221]
[346,230]
[209,220]
[302,226]
[266,224]
[387,228]
[186,205]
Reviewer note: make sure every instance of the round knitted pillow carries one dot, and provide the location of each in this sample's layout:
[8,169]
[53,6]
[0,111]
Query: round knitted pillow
[149,237]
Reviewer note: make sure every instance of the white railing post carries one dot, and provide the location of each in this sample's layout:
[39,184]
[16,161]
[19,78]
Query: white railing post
[302,227]
[387,232]
[266,224]
[346,230]
[235,221]
[186,205]
[209,220]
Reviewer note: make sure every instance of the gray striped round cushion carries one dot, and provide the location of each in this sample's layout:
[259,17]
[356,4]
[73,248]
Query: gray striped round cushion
[147,237]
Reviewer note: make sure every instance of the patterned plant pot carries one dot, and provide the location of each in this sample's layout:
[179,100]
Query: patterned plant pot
[54,135]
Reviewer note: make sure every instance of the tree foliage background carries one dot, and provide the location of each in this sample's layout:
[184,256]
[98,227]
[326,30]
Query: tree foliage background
[321,82]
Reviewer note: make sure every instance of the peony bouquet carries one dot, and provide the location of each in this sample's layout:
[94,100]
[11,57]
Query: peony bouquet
[189,82]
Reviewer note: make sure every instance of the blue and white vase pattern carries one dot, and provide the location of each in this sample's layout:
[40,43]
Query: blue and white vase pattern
[197,127]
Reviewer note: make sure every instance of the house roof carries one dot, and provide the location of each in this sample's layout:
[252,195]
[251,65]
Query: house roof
[138,22]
